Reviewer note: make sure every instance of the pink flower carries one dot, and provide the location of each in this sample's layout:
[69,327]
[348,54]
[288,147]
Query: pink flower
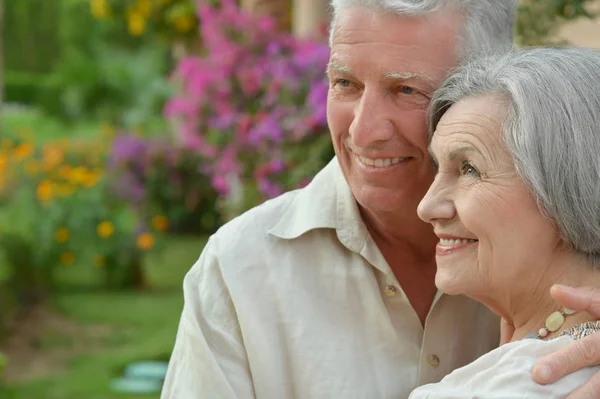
[253,97]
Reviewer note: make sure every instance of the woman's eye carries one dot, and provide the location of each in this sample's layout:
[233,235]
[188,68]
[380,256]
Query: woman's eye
[467,169]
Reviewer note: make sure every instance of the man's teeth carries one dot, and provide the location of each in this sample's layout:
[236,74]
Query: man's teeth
[380,163]
[447,242]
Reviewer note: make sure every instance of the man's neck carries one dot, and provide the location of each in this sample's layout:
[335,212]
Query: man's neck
[405,232]
[408,245]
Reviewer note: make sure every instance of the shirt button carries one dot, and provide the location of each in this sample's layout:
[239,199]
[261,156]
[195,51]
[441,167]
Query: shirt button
[390,291]
[434,361]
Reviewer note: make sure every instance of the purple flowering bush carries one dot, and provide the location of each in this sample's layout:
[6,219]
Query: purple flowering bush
[159,178]
[252,104]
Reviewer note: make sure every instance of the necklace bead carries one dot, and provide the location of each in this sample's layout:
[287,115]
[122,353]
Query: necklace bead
[555,321]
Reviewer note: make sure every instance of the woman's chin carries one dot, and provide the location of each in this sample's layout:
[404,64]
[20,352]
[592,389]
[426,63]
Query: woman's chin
[448,283]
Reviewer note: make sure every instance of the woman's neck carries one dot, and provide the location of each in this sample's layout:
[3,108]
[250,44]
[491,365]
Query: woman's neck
[528,310]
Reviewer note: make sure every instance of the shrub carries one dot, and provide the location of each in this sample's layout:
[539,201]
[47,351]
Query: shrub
[158,177]
[60,214]
[253,105]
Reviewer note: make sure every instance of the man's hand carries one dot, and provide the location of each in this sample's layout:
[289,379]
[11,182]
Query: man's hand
[580,354]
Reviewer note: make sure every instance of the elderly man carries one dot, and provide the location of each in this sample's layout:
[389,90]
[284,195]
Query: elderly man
[328,291]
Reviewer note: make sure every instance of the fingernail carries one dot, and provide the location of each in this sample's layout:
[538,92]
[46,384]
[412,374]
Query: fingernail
[543,373]
[566,288]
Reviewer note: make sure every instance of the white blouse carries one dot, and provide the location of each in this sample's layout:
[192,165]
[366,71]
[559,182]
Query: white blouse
[506,373]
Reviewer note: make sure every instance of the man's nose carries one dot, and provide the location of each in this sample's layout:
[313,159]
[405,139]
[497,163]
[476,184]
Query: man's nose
[437,204]
[372,122]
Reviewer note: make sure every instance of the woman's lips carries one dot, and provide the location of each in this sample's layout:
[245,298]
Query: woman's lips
[449,245]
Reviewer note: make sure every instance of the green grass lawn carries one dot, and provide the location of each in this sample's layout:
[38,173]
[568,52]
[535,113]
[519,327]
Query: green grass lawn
[136,326]
[17,121]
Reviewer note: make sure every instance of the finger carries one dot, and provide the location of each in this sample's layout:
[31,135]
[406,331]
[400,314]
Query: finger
[577,355]
[581,298]
[590,389]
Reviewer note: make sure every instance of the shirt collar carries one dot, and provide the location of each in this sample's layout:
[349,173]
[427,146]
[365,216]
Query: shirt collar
[327,202]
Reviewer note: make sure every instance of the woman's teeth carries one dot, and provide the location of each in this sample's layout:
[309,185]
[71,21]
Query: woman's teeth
[448,242]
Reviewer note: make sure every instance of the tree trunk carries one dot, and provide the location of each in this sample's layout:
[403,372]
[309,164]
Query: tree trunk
[280,10]
[310,18]
[137,277]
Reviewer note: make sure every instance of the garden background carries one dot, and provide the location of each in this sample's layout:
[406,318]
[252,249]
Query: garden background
[130,131]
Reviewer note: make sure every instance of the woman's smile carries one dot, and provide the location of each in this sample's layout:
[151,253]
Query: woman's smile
[450,244]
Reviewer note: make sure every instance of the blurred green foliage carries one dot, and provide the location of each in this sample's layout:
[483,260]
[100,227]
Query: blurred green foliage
[31,38]
[76,67]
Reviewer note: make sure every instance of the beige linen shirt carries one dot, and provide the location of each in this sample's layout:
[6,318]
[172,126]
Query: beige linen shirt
[293,299]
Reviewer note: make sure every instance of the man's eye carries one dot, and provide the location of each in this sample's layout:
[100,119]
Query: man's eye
[344,82]
[467,169]
[407,90]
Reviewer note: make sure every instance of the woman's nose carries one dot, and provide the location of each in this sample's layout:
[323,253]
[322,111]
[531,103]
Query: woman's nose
[436,205]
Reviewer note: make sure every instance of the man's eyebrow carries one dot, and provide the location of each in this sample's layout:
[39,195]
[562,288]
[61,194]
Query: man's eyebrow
[402,76]
[340,68]
[408,75]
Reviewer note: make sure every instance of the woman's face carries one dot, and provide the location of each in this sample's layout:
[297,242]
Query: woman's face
[492,234]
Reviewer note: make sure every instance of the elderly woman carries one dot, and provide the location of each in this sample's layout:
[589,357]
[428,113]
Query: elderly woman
[516,206]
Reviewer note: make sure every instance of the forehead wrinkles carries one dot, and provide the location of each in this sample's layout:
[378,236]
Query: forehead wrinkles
[480,132]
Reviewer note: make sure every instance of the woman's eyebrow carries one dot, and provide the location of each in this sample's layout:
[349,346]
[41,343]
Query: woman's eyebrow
[462,151]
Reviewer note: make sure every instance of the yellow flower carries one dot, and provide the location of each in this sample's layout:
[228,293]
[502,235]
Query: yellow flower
[145,241]
[99,261]
[144,7]
[67,258]
[99,9]
[52,156]
[136,23]
[106,229]
[23,150]
[3,162]
[44,191]
[77,175]
[184,23]
[160,223]
[62,235]
[64,171]
[91,178]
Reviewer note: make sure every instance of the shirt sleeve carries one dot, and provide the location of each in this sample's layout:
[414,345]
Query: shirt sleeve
[506,373]
[209,358]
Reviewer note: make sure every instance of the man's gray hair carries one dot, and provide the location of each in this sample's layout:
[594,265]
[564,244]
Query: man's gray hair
[552,129]
[488,24]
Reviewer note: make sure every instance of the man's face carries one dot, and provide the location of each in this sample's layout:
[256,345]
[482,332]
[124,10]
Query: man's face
[382,72]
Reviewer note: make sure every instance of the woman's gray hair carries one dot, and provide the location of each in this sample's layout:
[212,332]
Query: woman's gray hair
[552,129]
[488,24]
